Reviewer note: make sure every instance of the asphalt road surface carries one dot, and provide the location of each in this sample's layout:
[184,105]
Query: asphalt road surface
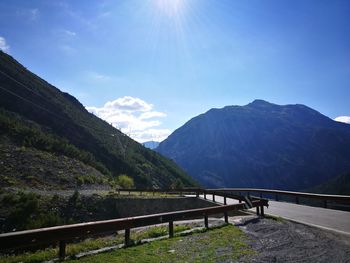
[330,219]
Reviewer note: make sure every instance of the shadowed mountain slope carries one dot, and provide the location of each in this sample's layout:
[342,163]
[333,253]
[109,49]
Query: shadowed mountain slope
[61,116]
[261,145]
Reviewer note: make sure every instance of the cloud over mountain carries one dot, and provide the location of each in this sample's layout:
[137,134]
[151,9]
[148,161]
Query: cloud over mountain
[345,119]
[3,45]
[133,116]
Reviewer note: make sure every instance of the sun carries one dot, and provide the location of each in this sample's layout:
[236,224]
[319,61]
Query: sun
[170,8]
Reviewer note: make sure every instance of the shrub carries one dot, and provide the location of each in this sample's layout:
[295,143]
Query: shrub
[125,181]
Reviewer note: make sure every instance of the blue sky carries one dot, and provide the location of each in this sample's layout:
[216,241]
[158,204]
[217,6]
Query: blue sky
[148,66]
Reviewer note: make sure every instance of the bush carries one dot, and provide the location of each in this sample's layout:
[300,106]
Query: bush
[125,181]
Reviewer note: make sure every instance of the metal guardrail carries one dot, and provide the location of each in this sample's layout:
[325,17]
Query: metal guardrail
[236,193]
[63,234]
[342,199]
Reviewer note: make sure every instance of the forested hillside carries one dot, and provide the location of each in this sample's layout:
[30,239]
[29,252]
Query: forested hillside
[37,115]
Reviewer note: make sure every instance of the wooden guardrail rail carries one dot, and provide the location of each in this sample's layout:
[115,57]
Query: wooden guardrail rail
[342,199]
[64,234]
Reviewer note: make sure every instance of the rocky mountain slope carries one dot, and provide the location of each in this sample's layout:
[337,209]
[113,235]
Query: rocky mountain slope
[37,115]
[261,145]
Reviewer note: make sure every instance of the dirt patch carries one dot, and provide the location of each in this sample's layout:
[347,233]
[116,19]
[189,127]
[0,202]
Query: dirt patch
[285,241]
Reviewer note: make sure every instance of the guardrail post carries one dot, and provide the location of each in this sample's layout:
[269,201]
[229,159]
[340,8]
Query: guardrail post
[213,198]
[127,237]
[62,250]
[257,211]
[225,203]
[226,217]
[297,199]
[262,211]
[206,222]
[205,195]
[325,204]
[171,229]
[197,193]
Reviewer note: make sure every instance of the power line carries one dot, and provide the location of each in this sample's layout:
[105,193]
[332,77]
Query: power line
[20,83]
[52,113]
[36,105]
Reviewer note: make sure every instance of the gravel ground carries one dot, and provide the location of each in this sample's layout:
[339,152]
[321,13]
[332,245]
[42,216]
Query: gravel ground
[285,241]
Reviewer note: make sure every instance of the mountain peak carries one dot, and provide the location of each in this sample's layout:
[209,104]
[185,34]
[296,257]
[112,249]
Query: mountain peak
[262,145]
[259,102]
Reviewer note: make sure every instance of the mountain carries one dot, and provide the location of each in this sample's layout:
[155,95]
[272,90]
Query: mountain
[151,144]
[261,145]
[339,185]
[48,133]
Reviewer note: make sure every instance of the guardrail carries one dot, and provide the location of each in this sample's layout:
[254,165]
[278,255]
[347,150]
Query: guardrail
[63,234]
[342,199]
[230,193]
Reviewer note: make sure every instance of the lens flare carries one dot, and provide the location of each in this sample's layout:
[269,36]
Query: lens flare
[170,8]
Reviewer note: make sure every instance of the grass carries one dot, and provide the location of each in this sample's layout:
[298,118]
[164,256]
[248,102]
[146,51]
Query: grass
[220,244]
[143,194]
[91,244]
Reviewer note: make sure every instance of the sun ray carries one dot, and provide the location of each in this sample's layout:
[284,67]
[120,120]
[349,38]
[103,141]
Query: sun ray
[170,8]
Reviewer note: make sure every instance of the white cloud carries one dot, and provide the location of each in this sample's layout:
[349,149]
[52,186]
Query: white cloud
[152,114]
[345,119]
[3,45]
[152,135]
[128,103]
[134,117]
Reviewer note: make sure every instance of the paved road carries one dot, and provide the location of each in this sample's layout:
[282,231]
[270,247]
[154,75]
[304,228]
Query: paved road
[325,218]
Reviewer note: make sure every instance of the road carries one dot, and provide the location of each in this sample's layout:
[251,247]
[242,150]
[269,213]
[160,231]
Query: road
[330,219]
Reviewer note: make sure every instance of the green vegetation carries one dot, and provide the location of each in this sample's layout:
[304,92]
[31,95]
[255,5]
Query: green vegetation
[125,181]
[159,231]
[60,124]
[26,211]
[30,135]
[223,243]
[91,244]
[21,211]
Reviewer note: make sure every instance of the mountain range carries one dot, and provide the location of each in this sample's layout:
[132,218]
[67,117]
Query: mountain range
[151,144]
[261,144]
[49,139]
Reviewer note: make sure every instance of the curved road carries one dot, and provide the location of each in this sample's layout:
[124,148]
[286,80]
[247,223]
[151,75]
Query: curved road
[330,219]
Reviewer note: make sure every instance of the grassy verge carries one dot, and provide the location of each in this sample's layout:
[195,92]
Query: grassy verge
[220,244]
[91,244]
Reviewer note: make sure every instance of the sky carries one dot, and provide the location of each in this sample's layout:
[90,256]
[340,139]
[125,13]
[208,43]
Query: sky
[149,66]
